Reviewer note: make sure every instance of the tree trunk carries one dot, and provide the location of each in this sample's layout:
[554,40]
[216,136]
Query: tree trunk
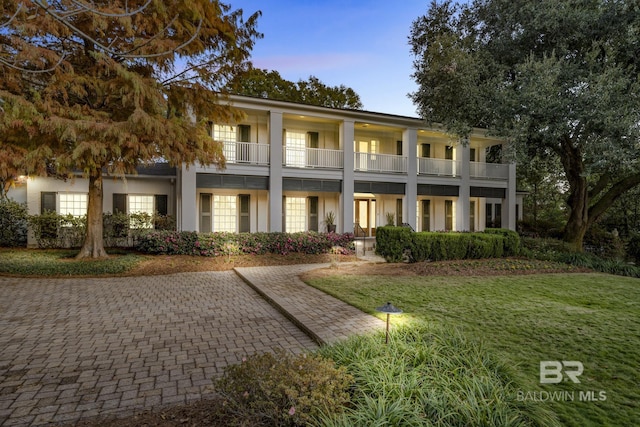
[578,222]
[93,246]
[578,200]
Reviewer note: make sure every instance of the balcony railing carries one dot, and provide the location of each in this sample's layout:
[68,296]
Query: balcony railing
[312,158]
[246,153]
[369,162]
[438,167]
[489,170]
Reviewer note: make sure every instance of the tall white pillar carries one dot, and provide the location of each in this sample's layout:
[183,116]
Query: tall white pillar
[509,206]
[409,150]
[187,206]
[462,208]
[275,170]
[347,135]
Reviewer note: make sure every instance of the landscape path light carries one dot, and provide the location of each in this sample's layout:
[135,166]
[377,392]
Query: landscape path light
[389,309]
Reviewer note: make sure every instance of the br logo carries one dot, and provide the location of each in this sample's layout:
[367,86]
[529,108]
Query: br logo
[551,371]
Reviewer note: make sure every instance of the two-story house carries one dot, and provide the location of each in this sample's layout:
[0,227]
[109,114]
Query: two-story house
[289,165]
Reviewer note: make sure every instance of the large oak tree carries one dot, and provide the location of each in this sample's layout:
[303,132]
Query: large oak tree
[555,77]
[97,87]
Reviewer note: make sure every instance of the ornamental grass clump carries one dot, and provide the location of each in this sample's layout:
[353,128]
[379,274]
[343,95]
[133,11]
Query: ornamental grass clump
[283,390]
[429,376]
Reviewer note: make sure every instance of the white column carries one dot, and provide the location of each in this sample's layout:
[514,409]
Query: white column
[187,206]
[409,143]
[462,208]
[345,217]
[509,205]
[275,171]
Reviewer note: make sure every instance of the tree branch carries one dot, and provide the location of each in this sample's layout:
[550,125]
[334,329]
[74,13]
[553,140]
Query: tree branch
[617,190]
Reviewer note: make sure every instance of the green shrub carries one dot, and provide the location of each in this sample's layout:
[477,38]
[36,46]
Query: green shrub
[399,244]
[603,243]
[511,240]
[392,242]
[283,390]
[429,375]
[52,230]
[633,247]
[13,223]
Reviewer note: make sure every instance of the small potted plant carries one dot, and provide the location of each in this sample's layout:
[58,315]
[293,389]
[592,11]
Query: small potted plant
[330,220]
[391,218]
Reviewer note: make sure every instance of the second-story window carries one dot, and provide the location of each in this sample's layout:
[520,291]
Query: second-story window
[295,143]
[228,135]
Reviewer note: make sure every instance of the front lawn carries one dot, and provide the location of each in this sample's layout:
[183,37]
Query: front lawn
[590,318]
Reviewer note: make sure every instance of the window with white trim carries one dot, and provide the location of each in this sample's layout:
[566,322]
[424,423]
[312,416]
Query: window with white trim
[296,143]
[141,204]
[225,213]
[228,135]
[295,214]
[73,203]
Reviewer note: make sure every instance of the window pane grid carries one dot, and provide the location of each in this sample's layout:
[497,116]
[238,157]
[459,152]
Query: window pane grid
[225,213]
[141,204]
[296,143]
[228,135]
[295,214]
[74,204]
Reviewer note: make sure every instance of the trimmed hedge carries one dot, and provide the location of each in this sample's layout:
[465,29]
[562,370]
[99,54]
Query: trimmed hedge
[222,243]
[400,244]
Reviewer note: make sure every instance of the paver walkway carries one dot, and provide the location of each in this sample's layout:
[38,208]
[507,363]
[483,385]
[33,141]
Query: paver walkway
[78,348]
[321,316]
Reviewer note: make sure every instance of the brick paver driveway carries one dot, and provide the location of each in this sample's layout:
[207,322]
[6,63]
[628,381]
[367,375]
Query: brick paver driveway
[76,348]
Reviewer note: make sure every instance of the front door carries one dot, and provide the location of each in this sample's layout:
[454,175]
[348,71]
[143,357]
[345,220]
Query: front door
[365,216]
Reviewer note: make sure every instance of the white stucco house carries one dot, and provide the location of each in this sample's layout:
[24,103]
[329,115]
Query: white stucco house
[289,165]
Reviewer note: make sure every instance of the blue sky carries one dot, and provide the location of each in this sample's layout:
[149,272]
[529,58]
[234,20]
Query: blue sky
[361,44]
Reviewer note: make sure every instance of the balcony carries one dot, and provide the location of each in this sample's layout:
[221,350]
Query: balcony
[438,167]
[489,170]
[317,158]
[246,153]
[368,162]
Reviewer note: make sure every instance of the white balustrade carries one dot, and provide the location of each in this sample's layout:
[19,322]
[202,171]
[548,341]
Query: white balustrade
[246,152]
[439,167]
[369,162]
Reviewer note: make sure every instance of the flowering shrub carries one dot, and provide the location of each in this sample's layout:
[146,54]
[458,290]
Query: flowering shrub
[228,244]
[283,390]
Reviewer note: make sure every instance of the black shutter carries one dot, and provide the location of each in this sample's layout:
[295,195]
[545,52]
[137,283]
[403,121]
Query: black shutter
[399,148]
[313,139]
[245,226]
[426,215]
[119,203]
[426,151]
[399,212]
[448,215]
[313,214]
[244,133]
[161,204]
[448,153]
[47,202]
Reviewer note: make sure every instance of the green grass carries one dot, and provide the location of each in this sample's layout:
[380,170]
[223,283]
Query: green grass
[59,262]
[590,318]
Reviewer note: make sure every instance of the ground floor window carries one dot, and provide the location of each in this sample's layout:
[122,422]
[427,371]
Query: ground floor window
[141,204]
[295,214]
[73,204]
[225,210]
